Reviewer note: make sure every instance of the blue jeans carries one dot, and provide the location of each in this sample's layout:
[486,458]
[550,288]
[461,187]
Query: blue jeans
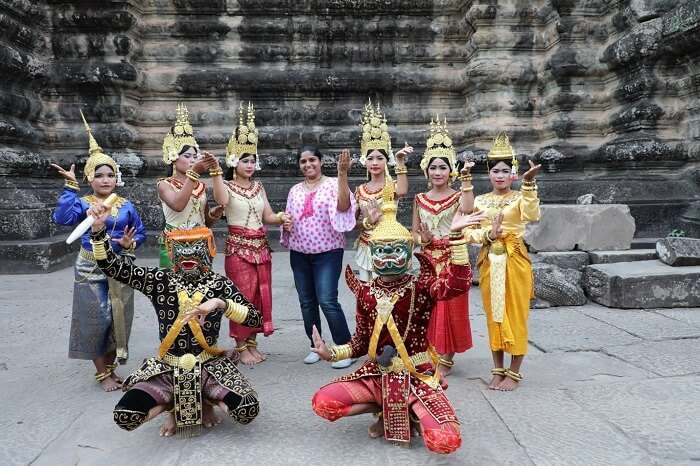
[316,279]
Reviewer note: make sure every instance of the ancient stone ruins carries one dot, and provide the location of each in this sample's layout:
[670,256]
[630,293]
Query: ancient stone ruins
[604,93]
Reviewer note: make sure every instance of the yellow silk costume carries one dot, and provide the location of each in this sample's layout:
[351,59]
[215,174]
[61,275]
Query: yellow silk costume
[505,270]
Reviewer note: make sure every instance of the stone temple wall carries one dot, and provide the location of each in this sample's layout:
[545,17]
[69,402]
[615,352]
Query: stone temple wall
[605,93]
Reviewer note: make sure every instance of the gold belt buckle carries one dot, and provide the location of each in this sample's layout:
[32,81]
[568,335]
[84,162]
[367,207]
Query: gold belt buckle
[187,361]
[498,248]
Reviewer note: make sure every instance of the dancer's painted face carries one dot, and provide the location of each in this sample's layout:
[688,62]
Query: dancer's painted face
[439,172]
[104,181]
[391,257]
[246,166]
[499,175]
[376,162]
[191,258]
[187,159]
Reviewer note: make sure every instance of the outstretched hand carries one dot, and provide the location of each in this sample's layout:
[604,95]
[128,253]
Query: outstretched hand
[402,154]
[467,168]
[532,172]
[426,236]
[344,162]
[128,239]
[496,228]
[203,310]
[67,174]
[461,221]
[320,346]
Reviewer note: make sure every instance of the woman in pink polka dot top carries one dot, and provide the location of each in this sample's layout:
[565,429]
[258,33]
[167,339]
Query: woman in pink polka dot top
[322,210]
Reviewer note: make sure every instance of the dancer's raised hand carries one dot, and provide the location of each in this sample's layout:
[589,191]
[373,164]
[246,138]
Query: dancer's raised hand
[403,154]
[532,172]
[496,228]
[320,346]
[200,312]
[67,174]
[461,221]
[128,239]
[344,162]
[426,236]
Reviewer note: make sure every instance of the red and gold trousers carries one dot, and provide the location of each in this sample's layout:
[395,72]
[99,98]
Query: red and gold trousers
[249,266]
[394,393]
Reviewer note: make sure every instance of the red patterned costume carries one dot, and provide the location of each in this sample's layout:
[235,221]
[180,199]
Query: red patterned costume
[398,392]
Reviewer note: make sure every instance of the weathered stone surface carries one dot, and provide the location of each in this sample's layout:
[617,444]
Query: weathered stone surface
[668,358]
[645,324]
[587,199]
[642,285]
[567,329]
[556,286]
[630,255]
[577,260]
[583,227]
[679,252]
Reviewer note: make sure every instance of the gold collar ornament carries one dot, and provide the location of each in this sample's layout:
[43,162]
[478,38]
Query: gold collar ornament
[439,144]
[502,151]
[375,134]
[96,157]
[180,135]
[244,139]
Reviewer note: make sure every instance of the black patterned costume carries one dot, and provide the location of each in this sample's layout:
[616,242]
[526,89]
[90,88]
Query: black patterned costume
[189,367]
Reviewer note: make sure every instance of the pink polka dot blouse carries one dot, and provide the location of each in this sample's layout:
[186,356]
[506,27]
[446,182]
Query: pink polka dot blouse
[318,226]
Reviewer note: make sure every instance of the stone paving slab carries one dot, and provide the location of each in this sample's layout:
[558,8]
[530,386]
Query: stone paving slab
[642,323]
[554,430]
[661,414]
[688,315]
[567,329]
[665,358]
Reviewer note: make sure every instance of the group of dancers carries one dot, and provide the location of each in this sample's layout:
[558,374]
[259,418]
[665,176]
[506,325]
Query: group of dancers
[408,324]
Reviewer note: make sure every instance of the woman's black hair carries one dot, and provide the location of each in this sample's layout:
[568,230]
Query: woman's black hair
[105,165]
[313,149]
[382,151]
[492,163]
[444,159]
[230,171]
[184,149]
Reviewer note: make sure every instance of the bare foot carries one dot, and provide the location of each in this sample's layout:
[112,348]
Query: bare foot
[258,355]
[495,381]
[168,427]
[248,358]
[507,385]
[376,430]
[110,385]
[116,378]
[444,370]
[209,417]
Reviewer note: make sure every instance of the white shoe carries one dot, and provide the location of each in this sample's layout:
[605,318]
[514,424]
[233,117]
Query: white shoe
[312,358]
[343,363]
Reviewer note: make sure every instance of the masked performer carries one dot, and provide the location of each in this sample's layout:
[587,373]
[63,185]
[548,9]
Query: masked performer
[248,254]
[376,156]
[433,211]
[505,271]
[189,372]
[103,308]
[393,311]
[182,195]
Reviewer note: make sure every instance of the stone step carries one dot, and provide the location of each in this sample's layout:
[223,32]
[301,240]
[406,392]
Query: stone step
[642,285]
[630,255]
[644,243]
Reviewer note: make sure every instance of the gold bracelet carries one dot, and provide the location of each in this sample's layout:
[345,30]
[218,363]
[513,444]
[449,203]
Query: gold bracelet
[468,189]
[340,352]
[529,183]
[99,250]
[456,235]
[465,177]
[70,184]
[487,238]
[279,216]
[216,172]
[193,175]
[235,311]
[367,224]
[459,253]
[400,171]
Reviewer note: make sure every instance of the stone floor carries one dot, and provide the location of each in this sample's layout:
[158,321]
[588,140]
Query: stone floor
[602,387]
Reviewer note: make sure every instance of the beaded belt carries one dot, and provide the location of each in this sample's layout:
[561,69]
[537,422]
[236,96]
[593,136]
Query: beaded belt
[187,361]
[397,364]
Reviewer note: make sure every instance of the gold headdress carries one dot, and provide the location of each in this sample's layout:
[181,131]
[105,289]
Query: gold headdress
[96,157]
[388,228]
[375,133]
[503,151]
[244,139]
[180,135]
[439,144]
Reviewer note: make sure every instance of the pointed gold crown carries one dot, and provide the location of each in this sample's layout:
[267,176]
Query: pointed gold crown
[180,135]
[96,157]
[439,144]
[389,229]
[501,148]
[375,133]
[244,139]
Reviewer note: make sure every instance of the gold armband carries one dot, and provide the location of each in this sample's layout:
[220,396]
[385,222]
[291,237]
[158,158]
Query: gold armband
[400,171]
[279,216]
[235,311]
[193,175]
[467,189]
[340,352]
[99,250]
[366,224]
[216,172]
[70,184]
[459,253]
[487,239]
[467,177]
